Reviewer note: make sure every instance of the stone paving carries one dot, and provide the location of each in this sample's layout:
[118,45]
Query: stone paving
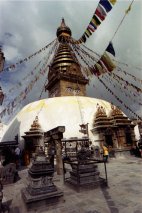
[123,194]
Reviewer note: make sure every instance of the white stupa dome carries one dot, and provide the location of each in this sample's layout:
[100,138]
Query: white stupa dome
[70,111]
[3,128]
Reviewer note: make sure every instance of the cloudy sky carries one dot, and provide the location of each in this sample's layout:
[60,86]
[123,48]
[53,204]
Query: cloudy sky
[27,26]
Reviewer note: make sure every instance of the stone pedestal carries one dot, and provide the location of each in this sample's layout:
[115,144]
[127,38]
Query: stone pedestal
[41,189]
[84,173]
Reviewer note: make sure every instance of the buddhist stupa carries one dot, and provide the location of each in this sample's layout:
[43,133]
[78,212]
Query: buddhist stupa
[67,104]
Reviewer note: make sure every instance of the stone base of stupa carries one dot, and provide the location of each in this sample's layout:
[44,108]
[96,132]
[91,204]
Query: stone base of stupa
[45,199]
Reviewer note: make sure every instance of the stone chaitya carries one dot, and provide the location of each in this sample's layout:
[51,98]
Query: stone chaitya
[41,189]
[33,140]
[84,170]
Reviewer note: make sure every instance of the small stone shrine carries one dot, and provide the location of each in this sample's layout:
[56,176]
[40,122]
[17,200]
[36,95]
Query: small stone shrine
[33,139]
[41,189]
[8,173]
[84,169]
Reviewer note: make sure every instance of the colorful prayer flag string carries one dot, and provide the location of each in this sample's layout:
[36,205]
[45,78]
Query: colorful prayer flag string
[13,66]
[104,7]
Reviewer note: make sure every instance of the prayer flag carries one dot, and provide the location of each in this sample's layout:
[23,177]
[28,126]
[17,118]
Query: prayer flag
[91,28]
[100,12]
[103,66]
[108,62]
[127,11]
[110,49]
[99,68]
[87,35]
[113,1]
[92,23]
[106,4]
[95,20]
[83,38]
[89,31]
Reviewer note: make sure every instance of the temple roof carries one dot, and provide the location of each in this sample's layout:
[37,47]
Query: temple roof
[101,120]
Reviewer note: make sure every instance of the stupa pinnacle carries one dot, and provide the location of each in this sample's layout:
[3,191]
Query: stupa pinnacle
[65,77]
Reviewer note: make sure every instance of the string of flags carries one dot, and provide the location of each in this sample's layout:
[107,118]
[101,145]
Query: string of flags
[115,85]
[123,85]
[118,63]
[98,70]
[13,66]
[118,99]
[127,65]
[104,64]
[127,83]
[86,70]
[111,50]
[90,72]
[20,83]
[129,74]
[10,107]
[104,7]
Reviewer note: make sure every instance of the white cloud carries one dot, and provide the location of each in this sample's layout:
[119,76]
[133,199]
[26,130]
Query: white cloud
[10,52]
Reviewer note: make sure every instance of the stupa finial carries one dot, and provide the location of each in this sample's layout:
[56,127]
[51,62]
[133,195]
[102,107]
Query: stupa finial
[63,23]
[35,124]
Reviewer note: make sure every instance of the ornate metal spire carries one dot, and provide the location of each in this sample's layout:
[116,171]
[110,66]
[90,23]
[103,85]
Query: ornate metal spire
[65,74]
[63,32]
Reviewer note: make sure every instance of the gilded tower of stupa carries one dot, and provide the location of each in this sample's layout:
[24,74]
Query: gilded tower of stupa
[65,77]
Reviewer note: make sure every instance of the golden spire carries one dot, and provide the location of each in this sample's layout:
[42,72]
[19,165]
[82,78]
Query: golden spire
[100,111]
[63,32]
[115,111]
[35,125]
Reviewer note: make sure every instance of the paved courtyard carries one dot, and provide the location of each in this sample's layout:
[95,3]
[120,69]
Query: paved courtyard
[123,194]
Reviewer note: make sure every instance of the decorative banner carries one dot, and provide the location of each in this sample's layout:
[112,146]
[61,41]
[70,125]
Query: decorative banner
[104,6]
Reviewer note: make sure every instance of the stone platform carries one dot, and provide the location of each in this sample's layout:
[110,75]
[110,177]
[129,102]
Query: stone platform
[123,194]
[46,199]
